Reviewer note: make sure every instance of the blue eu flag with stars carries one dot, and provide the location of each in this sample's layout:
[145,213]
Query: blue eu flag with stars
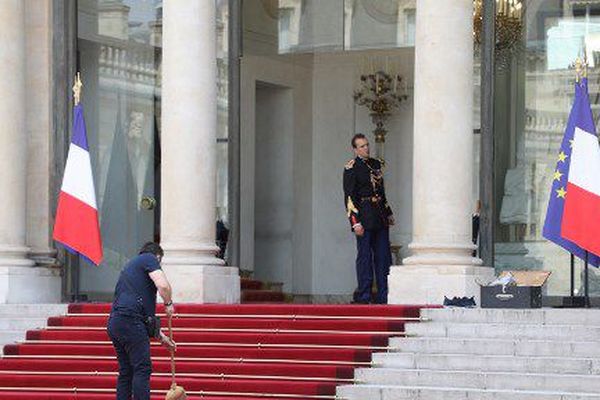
[580,117]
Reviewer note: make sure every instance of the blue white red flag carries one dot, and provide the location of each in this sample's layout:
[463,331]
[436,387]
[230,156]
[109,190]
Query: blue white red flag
[76,226]
[573,215]
[581,218]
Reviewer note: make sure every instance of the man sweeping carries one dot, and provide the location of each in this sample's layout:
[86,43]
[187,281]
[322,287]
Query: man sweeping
[133,321]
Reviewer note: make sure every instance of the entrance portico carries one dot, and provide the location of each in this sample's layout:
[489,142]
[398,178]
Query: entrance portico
[297,116]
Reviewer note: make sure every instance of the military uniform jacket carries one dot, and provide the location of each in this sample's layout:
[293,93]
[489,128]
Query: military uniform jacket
[364,194]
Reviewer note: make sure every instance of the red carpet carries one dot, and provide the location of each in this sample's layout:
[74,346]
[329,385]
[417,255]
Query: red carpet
[225,352]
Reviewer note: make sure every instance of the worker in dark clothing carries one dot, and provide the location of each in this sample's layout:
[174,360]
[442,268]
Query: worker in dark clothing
[132,320]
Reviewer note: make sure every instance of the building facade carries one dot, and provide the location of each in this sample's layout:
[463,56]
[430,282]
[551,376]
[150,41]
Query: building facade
[241,113]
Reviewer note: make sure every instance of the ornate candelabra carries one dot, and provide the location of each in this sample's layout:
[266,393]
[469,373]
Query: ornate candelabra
[380,93]
[509,27]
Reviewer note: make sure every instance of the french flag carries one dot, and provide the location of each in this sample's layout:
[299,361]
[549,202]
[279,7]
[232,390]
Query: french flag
[76,226]
[581,218]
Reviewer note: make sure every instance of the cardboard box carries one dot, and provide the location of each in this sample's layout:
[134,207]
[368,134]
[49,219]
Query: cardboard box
[526,293]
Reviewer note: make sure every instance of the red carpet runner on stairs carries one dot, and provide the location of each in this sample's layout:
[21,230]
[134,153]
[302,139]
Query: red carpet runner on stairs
[225,352]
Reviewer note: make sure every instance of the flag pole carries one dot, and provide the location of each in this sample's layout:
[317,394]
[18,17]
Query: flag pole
[587,281]
[580,73]
[75,264]
[583,74]
[572,277]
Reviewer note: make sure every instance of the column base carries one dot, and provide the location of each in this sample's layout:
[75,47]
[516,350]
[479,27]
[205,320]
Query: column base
[15,256]
[19,285]
[203,283]
[43,257]
[428,284]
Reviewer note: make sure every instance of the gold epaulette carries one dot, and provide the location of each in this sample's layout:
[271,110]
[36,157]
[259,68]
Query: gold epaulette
[350,164]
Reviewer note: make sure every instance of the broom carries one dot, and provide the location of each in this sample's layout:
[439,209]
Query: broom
[175,392]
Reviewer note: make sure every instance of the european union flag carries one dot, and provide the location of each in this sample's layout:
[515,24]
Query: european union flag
[580,117]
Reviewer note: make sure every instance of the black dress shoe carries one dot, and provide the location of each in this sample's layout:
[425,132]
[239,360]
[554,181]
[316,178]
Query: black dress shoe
[467,302]
[454,302]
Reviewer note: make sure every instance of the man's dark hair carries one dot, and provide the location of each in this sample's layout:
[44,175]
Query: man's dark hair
[152,248]
[355,137]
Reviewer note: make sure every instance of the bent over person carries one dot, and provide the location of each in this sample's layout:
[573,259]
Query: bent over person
[134,302]
[370,217]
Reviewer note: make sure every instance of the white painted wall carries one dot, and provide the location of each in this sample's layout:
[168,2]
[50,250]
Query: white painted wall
[274,187]
[292,73]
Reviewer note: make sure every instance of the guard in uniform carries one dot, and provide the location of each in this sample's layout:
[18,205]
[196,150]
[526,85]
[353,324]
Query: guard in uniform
[370,217]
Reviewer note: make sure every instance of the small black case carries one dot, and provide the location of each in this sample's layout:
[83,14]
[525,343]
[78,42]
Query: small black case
[511,297]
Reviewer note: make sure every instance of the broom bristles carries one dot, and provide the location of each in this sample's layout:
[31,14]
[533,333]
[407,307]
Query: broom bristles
[176,393]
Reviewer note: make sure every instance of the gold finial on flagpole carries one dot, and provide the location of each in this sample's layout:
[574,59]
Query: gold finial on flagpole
[580,66]
[77,88]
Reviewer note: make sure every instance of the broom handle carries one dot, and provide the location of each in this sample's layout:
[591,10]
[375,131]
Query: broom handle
[172,353]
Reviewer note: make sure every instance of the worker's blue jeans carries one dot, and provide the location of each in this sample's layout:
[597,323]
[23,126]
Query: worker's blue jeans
[132,345]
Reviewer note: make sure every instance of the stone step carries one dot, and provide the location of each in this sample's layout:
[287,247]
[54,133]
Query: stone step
[16,319]
[23,324]
[544,316]
[392,392]
[504,331]
[483,354]
[262,296]
[488,363]
[32,310]
[8,337]
[542,348]
[479,380]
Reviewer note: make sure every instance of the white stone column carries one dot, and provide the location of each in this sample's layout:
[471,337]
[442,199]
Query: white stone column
[188,174]
[15,272]
[441,262]
[13,137]
[38,46]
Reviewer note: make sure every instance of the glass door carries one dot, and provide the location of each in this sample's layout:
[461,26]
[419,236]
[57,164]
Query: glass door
[119,53]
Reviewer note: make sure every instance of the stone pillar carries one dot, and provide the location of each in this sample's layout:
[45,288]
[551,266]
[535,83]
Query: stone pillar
[38,84]
[188,174]
[19,283]
[441,262]
[13,137]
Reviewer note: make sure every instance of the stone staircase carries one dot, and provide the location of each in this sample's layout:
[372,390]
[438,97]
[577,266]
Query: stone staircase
[548,354]
[17,319]
[254,291]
